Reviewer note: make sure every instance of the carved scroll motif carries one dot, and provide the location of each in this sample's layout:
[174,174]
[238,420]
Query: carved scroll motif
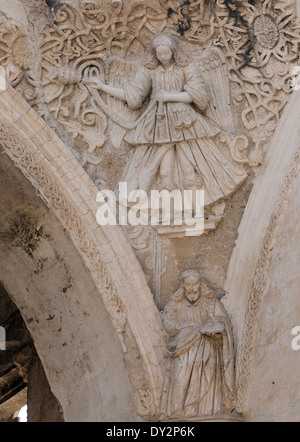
[260,43]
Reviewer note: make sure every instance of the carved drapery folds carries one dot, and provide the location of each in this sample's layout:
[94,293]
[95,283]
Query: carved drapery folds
[199,379]
[260,43]
[251,47]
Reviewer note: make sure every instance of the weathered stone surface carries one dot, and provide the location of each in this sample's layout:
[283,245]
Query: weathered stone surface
[160,95]
[56,296]
[264,304]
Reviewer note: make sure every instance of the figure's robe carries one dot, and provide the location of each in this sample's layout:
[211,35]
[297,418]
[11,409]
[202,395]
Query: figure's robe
[199,377]
[179,126]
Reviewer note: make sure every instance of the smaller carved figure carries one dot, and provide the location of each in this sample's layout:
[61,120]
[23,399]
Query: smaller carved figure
[199,379]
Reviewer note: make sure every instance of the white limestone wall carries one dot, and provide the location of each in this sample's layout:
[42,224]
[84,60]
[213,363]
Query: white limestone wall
[275,385]
[262,287]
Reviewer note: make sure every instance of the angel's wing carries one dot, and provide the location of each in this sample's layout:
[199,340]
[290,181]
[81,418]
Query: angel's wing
[118,71]
[213,66]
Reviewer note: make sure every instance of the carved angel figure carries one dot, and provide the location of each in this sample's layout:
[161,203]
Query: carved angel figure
[174,123]
[199,378]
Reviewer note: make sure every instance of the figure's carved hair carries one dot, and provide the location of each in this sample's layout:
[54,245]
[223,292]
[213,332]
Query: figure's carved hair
[180,59]
[191,272]
[180,294]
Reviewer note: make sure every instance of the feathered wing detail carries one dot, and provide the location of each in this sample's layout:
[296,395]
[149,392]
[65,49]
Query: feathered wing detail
[119,71]
[213,66]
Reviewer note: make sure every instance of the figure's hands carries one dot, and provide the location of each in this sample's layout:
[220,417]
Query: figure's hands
[161,96]
[95,83]
[211,328]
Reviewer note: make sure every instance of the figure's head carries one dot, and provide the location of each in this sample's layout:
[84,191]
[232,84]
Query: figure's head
[164,50]
[192,284]
[163,47]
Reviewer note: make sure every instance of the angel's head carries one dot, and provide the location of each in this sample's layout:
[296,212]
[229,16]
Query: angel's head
[164,50]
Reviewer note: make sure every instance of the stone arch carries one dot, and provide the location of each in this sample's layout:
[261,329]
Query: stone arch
[67,190]
[264,222]
[73,335]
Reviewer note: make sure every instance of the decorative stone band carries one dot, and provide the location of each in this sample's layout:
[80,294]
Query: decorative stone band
[68,191]
[246,352]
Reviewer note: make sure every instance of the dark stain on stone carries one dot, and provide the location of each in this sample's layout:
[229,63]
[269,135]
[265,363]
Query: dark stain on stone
[233,8]
[52,4]
[23,232]
[183,20]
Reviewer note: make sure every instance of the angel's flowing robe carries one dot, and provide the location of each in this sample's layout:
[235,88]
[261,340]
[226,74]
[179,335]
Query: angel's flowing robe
[199,378]
[181,127]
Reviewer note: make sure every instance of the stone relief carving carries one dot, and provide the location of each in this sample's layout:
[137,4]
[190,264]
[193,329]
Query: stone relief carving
[259,42]
[16,57]
[84,37]
[199,379]
[175,137]
[259,46]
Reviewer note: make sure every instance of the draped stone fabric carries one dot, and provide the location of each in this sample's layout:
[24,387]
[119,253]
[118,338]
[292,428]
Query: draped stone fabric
[199,378]
[181,128]
[174,122]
